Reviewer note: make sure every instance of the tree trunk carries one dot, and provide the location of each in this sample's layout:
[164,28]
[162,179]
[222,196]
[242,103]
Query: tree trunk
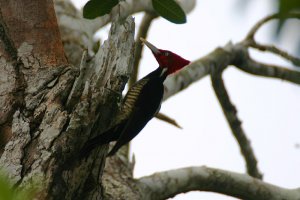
[49,107]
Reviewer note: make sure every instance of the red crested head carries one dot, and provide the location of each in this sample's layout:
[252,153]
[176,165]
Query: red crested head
[166,59]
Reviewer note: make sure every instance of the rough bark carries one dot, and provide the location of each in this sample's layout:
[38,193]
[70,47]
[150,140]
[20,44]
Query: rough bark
[28,64]
[53,107]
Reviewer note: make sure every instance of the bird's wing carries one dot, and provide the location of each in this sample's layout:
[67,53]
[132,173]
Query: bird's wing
[142,109]
[112,134]
[132,127]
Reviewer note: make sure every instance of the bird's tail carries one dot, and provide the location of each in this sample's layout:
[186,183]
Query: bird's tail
[104,138]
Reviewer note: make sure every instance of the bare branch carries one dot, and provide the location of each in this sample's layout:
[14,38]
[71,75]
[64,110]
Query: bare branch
[235,124]
[247,64]
[221,57]
[143,32]
[258,25]
[167,184]
[277,51]
[231,54]
[250,40]
[167,119]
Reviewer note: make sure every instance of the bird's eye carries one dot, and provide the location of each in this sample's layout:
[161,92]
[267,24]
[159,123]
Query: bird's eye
[166,53]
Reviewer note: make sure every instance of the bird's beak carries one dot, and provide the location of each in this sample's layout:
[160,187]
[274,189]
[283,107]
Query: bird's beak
[150,46]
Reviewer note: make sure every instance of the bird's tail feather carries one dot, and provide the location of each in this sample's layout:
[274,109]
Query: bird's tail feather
[106,137]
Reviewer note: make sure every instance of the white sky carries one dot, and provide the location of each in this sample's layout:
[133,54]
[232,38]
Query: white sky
[269,108]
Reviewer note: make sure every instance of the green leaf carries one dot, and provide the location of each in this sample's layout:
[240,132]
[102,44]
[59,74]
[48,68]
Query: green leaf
[5,189]
[169,10]
[97,8]
[8,193]
[284,7]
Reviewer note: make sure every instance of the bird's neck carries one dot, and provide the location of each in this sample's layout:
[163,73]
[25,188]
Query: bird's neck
[160,73]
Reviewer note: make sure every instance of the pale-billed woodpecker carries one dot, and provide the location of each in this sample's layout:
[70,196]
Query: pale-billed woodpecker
[141,103]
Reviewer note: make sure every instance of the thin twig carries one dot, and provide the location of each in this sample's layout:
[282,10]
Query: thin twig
[251,42]
[143,31]
[235,124]
[167,119]
[277,51]
[252,32]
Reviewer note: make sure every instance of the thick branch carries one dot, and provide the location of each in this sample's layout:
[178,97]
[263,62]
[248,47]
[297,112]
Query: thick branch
[167,184]
[220,57]
[277,51]
[273,71]
[235,124]
[247,64]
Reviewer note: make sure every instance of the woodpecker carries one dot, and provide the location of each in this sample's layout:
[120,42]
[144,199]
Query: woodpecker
[141,103]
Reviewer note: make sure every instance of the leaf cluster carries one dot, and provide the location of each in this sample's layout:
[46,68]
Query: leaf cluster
[167,9]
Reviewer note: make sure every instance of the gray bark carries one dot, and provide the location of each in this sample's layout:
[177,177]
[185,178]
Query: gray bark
[61,105]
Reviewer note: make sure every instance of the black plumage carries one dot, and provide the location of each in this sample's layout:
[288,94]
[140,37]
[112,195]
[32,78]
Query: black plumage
[140,104]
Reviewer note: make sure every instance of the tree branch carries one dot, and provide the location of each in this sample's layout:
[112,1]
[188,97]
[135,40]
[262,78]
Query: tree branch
[198,69]
[247,64]
[277,51]
[167,184]
[258,25]
[235,124]
[167,119]
[250,40]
